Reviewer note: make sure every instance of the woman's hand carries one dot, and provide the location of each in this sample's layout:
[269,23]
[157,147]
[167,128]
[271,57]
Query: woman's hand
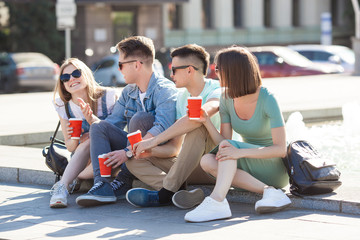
[144,145]
[86,110]
[69,130]
[227,152]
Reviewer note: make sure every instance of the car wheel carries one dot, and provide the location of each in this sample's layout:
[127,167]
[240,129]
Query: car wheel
[10,85]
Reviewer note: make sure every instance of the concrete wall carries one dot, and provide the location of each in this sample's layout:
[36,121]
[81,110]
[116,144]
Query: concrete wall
[150,23]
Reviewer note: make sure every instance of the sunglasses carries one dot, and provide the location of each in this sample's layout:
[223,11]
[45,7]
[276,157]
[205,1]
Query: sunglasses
[173,69]
[66,76]
[121,63]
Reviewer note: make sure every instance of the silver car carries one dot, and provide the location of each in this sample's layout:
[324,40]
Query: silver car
[330,54]
[26,70]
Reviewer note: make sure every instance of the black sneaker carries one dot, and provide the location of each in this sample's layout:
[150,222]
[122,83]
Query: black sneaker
[120,188]
[100,193]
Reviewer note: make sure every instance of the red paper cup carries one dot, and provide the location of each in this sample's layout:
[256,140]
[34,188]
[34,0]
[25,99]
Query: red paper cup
[194,107]
[75,123]
[105,171]
[134,137]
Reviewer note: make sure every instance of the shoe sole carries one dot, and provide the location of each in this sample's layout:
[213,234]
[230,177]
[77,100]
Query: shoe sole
[58,204]
[270,209]
[187,199]
[195,221]
[89,202]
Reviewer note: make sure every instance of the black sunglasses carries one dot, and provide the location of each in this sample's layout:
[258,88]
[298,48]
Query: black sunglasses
[121,63]
[173,69]
[66,76]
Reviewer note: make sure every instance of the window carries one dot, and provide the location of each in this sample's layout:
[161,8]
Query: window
[174,16]
[334,12]
[267,13]
[316,55]
[266,58]
[238,22]
[207,14]
[124,23]
[296,13]
[105,64]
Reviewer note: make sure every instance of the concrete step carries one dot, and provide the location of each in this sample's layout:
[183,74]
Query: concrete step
[27,165]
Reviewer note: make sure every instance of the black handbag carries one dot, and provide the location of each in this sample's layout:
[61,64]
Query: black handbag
[310,173]
[56,155]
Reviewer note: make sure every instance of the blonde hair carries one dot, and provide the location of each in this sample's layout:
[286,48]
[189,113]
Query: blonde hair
[94,90]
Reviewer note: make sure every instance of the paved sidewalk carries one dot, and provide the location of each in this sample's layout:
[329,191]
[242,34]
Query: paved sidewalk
[25,215]
[30,119]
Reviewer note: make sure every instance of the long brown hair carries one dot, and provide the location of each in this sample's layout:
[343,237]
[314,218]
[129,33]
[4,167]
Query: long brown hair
[238,71]
[94,90]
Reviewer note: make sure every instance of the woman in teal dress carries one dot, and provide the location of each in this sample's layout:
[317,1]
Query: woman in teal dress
[254,164]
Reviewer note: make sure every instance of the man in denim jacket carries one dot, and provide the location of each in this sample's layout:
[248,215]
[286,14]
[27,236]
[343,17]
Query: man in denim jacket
[147,104]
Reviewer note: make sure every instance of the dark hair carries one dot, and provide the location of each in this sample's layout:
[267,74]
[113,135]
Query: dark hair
[238,71]
[137,46]
[193,50]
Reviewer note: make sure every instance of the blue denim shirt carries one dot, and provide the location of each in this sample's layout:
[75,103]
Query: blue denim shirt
[160,101]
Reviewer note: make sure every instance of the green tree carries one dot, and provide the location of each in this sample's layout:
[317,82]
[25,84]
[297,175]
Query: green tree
[32,27]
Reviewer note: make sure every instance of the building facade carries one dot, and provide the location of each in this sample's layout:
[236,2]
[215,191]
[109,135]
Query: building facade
[210,23]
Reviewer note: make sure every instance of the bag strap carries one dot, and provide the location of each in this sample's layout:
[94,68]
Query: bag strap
[57,128]
[54,135]
[67,110]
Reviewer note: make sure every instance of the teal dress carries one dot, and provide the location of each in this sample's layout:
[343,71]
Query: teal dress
[256,133]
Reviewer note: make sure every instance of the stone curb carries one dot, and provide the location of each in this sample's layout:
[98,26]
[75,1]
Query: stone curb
[43,177]
[44,137]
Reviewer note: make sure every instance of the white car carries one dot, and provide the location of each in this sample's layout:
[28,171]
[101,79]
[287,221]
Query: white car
[332,54]
[107,73]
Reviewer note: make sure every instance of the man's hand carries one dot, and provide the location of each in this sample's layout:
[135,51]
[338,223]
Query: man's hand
[116,158]
[204,116]
[144,146]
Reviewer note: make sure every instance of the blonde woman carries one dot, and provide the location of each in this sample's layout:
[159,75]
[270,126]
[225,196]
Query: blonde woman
[76,88]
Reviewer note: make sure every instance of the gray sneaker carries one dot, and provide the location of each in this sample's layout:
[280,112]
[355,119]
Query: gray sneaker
[188,199]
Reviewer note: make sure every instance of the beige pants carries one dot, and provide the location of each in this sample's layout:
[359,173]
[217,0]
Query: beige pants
[171,173]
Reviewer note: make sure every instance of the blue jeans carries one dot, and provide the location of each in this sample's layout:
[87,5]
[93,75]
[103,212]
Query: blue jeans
[106,137]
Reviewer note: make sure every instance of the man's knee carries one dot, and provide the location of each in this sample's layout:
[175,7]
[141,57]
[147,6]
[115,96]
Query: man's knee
[200,132]
[98,127]
[142,121]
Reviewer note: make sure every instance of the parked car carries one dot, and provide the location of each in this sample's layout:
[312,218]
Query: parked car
[107,73]
[26,70]
[334,54]
[278,61]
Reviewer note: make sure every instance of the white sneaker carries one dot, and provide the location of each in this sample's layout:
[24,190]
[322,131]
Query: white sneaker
[59,195]
[209,210]
[273,200]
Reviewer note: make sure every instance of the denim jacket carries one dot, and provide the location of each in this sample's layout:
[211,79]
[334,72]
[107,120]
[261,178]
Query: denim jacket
[160,101]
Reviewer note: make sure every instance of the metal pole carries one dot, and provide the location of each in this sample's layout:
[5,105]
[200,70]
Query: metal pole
[67,43]
[355,4]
